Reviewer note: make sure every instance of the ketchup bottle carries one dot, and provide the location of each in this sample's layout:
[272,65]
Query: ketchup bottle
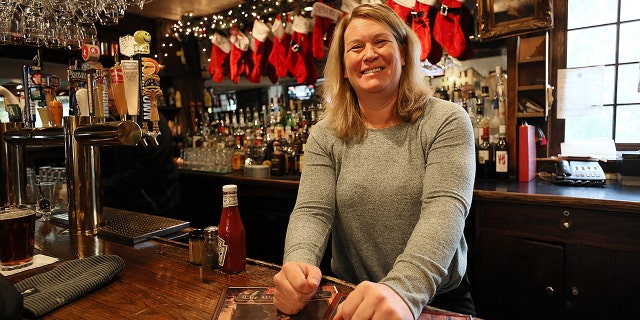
[232,247]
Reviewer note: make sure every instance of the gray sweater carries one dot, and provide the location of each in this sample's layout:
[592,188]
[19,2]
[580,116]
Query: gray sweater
[395,204]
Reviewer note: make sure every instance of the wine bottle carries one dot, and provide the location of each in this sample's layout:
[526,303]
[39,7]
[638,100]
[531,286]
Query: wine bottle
[484,167]
[501,155]
[232,246]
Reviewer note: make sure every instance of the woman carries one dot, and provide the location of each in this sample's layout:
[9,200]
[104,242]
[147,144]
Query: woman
[389,172]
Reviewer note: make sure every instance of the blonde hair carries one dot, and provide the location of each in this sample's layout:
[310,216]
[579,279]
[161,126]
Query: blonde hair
[341,103]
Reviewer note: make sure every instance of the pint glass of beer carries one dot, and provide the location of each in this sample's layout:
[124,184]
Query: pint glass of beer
[17,238]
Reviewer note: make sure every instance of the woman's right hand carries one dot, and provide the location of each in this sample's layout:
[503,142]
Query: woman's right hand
[295,284]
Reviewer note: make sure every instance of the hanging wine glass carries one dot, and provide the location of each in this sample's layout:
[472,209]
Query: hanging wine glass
[11,24]
[87,11]
[65,9]
[110,12]
[58,23]
[73,33]
[54,37]
[34,26]
[90,33]
[139,4]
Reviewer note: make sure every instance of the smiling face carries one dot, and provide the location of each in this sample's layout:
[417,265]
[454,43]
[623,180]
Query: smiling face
[142,37]
[373,59]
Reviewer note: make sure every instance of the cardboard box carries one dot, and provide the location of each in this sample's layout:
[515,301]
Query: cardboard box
[526,153]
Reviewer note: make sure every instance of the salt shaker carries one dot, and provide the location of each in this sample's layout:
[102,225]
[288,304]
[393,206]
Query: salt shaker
[210,248]
[196,241]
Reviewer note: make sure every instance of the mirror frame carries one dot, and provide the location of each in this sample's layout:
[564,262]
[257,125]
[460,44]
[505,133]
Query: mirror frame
[536,15]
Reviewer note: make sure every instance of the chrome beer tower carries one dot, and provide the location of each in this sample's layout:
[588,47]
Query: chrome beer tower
[81,136]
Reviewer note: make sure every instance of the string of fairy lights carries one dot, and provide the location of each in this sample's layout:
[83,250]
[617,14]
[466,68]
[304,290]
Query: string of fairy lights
[241,16]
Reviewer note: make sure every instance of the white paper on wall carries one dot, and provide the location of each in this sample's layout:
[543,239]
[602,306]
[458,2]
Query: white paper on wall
[580,91]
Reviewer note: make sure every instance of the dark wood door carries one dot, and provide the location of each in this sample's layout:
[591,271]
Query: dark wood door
[589,282]
[518,278]
[627,296]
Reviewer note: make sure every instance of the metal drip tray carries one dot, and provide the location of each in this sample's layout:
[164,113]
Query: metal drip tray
[130,227]
[133,227]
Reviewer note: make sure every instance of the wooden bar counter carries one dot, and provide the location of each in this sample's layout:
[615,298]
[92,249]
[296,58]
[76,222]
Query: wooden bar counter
[157,281]
[537,250]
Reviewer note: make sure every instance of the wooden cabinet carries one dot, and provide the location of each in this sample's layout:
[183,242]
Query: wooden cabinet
[528,66]
[555,262]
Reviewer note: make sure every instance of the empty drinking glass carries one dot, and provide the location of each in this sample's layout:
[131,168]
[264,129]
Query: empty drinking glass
[46,200]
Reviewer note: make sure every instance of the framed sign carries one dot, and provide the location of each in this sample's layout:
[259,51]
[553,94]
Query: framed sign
[503,18]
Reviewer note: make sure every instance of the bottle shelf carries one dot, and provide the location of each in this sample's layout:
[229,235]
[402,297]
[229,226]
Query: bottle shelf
[530,114]
[532,59]
[529,78]
[531,87]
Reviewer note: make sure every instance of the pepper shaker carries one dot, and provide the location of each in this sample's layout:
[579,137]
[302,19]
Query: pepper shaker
[196,241]
[210,248]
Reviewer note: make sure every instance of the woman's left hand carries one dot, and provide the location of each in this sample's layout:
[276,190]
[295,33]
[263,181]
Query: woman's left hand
[374,301]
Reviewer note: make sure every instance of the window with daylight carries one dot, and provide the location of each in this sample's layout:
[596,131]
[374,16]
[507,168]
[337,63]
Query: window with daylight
[607,33]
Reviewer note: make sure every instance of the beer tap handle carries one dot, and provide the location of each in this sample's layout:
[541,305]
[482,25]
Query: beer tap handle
[83,101]
[155,119]
[151,90]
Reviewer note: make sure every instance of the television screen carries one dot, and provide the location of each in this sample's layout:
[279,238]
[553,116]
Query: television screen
[301,92]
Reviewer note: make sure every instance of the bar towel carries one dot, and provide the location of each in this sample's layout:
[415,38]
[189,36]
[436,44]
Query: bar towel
[67,282]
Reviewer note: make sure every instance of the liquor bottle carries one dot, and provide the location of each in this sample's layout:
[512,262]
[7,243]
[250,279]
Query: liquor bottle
[268,148]
[232,246]
[487,102]
[178,98]
[258,150]
[278,159]
[484,167]
[456,95]
[238,156]
[494,122]
[292,156]
[501,156]
[256,124]
[501,93]
[481,119]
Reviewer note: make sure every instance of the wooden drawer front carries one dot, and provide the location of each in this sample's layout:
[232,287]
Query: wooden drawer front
[598,228]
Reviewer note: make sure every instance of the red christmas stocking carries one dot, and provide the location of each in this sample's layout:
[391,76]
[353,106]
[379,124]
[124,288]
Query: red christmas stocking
[278,54]
[295,58]
[401,7]
[307,54]
[448,30]
[220,48]
[465,19]
[288,37]
[237,61]
[269,68]
[247,56]
[420,25]
[324,17]
[435,54]
[260,32]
